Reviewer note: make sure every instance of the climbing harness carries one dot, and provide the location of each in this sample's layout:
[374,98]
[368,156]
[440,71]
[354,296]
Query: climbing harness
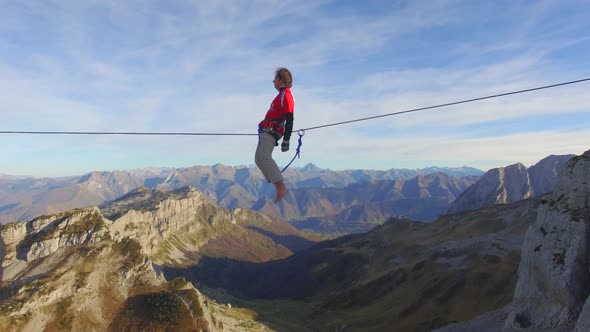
[274,127]
[301,132]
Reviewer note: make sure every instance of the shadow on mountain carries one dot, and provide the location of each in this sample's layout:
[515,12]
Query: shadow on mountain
[154,182]
[291,242]
[296,277]
[403,275]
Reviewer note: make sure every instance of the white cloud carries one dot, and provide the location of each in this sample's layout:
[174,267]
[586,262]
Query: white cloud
[207,67]
[447,149]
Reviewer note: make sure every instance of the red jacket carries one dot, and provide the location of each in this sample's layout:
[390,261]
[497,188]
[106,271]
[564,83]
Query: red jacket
[279,117]
[281,105]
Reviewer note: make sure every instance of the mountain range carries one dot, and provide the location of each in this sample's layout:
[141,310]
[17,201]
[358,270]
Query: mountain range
[322,201]
[231,187]
[105,262]
[166,260]
[360,206]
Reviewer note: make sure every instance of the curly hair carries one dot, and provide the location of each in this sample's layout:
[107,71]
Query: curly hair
[284,75]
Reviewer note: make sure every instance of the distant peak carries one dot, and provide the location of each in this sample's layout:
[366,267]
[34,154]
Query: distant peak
[139,191]
[310,167]
[89,176]
[519,166]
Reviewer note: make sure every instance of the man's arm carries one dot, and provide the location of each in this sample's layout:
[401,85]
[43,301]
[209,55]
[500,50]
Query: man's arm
[288,127]
[289,109]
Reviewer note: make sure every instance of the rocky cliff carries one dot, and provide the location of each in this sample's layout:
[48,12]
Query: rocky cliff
[511,183]
[543,174]
[553,277]
[96,268]
[554,272]
[498,186]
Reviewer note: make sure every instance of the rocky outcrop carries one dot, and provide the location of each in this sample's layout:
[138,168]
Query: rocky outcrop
[552,292]
[498,186]
[45,235]
[151,217]
[63,230]
[509,184]
[543,175]
[554,278]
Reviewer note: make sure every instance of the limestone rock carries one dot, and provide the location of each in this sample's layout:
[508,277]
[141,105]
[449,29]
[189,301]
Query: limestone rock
[544,174]
[152,217]
[572,191]
[62,230]
[13,233]
[10,236]
[553,276]
[498,186]
[553,273]
[553,285]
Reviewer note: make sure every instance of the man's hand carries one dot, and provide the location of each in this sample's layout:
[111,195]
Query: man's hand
[285,146]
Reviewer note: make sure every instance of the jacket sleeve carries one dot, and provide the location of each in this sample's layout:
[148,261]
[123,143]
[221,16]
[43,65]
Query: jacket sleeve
[288,127]
[289,108]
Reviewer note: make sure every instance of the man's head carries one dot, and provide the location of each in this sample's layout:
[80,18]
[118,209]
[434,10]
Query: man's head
[283,78]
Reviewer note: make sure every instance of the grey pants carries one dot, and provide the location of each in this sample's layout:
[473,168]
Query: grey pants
[264,161]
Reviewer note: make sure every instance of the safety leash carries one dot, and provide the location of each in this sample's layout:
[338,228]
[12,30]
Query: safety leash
[301,132]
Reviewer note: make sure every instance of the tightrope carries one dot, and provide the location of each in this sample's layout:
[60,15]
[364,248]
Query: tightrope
[304,129]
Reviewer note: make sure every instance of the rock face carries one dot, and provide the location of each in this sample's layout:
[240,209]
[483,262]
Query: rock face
[554,278]
[543,174]
[509,184]
[554,272]
[151,217]
[43,236]
[498,186]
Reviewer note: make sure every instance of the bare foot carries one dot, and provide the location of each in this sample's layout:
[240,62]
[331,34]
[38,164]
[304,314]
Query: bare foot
[281,191]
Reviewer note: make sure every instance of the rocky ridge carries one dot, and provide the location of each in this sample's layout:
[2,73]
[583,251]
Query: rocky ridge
[512,183]
[101,261]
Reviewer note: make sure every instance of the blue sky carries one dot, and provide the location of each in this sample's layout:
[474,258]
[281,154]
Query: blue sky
[207,66]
